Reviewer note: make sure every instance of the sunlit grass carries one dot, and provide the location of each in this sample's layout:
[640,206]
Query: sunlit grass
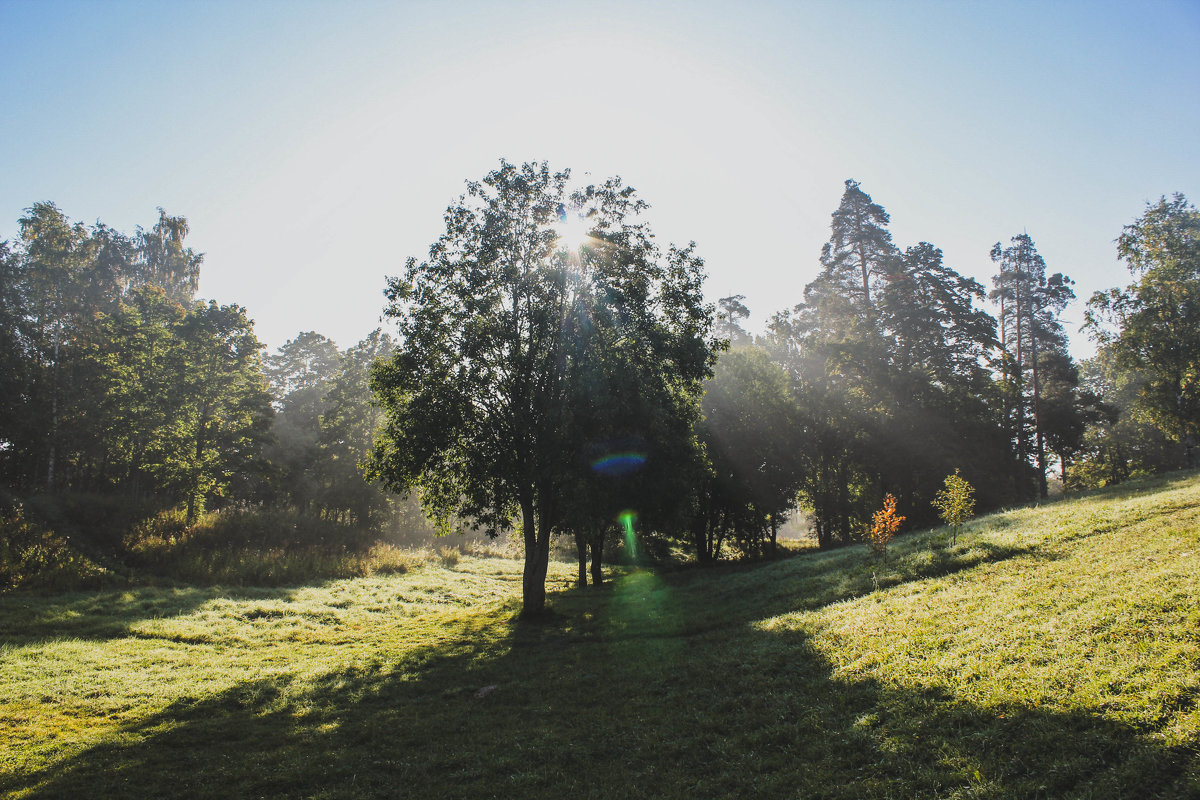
[1053,652]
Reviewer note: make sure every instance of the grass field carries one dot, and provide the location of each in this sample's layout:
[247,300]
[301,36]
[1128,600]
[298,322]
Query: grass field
[1054,652]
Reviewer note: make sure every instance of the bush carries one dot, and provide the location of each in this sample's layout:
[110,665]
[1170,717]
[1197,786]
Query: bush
[242,547]
[884,525]
[95,522]
[33,557]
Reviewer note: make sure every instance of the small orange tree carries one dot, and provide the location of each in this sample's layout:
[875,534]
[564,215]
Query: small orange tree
[884,525]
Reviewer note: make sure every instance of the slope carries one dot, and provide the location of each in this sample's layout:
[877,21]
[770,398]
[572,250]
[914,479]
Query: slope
[1054,652]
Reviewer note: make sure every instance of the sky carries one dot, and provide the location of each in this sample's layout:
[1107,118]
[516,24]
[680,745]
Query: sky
[313,147]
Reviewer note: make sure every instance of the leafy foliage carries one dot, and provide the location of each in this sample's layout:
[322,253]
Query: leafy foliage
[504,333]
[750,432]
[1151,328]
[955,503]
[889,358]
[884,524]
[121,383]
[1030,335]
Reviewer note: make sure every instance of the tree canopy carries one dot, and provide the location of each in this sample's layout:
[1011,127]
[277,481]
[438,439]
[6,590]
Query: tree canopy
[1150,327]
[556,372]
[504,330]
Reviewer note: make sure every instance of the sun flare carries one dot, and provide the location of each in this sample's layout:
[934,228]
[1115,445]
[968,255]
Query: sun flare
[572,233]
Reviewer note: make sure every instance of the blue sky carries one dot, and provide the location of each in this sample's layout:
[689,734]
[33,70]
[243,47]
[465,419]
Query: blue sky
[314,146]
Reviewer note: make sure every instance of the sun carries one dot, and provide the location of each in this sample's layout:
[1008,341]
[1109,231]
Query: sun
[572,232]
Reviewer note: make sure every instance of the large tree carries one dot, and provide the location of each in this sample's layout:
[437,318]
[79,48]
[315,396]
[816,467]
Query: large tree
[301,373]
[1152,326]
[222,406]
[482,413]
[1030,304]
[858,259]
[888,356]
[753,436]
[347,437]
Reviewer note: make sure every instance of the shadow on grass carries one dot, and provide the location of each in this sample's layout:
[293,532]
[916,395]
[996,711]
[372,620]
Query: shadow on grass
[107,614]
[1149,484]
[617,694]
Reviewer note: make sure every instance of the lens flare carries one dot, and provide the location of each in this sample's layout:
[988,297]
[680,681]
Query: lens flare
[627,518]
[615,464]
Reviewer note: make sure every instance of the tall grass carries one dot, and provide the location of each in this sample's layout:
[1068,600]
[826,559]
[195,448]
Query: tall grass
[51,547]
[260,548]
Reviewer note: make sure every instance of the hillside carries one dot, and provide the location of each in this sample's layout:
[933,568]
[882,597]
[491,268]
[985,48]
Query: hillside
[1054,652]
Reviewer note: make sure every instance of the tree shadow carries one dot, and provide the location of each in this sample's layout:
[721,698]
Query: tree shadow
[109,614]
[617,694]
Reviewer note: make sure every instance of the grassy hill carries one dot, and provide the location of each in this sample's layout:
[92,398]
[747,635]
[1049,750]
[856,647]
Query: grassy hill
[1054,652]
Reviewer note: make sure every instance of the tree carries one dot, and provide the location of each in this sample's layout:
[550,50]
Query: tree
[137,351]
[482,413]
[162,259]
[1030,303]
[837,354]
[222,406]
[1118,441]
[834,418]
[955,503]
[58,284]
[301,373]
[859,257]
[884,524]
[752,435]
[15,365]
[1153,325]
[347,434]
[732,312]
[1066,406]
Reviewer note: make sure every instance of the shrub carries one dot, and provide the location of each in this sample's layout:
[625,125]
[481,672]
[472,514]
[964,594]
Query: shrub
[32,556]
[884,525]
[955,503]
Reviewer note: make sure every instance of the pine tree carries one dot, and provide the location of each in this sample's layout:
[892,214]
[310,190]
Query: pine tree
[1030,304]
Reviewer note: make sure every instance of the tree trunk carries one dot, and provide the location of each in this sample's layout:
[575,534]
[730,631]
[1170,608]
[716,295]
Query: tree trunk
[52,455]
[533,577]
[774,537]
[720,534]
[1188,438]
[1043,490]
[701,532]
[194,480]
[597,547]
[581,547]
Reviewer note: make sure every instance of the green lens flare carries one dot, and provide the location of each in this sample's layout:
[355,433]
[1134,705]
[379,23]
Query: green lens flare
[627,518]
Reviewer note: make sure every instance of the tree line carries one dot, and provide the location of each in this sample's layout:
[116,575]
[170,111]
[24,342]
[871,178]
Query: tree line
[564,384]
[118,383]
[557,372]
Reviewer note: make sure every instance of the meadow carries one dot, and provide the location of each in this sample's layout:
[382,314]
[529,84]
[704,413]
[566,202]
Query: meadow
[1053,651]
